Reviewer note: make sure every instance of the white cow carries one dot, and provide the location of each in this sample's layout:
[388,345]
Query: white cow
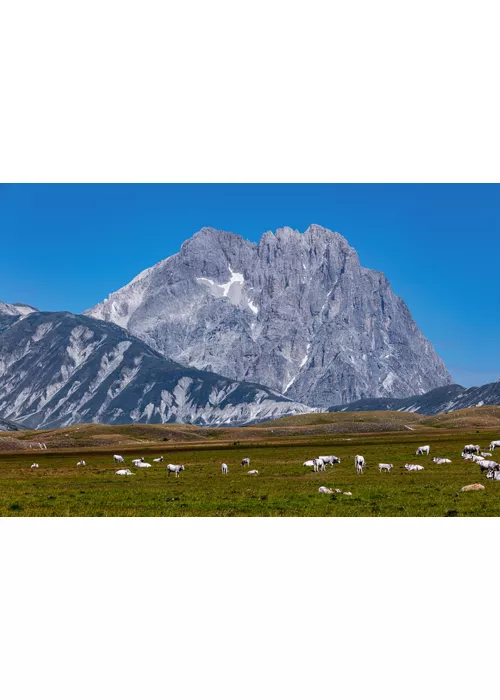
[485,464]
[477,458]
[124,472]
[494,444]
[330,459]
[119,459]
[359,463]
[143,465]
[441,460]
[493,474]
[34,466]
[414,467]
[245,462]
[471,449]
[158,459]
[384,467]
[253,471]
[309,463]
[466,455]
[324,489]
[81,463]
[175,469]
[423,450]
[224,468]
[486,454]
[321,466]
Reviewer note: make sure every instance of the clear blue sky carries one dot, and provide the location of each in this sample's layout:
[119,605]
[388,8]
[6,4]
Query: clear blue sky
[69,246]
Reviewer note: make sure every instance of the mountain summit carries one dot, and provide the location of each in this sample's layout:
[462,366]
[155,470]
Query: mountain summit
[296,312]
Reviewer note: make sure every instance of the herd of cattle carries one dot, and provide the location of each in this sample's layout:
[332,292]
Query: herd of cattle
[472,452]
[319,464]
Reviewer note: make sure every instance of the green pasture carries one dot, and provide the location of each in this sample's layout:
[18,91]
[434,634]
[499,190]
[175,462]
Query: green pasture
[282,488]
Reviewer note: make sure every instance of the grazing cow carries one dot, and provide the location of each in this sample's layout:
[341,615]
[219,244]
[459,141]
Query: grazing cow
[494,444]
[414,467]
[224,468]
[81,463]
[473,487]
[320,465]
[119,459]
[330,459]
[359,463]
[441,460]
[471,449]
[158,459]
[309,463]
[245,462]
[486,454]
[124,472]
[253,471]
[486,464]
[423,450]
[384,468]
[324,489]
[175,469]
[34,466]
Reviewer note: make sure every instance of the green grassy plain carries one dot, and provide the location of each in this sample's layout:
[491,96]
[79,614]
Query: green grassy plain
[282,488]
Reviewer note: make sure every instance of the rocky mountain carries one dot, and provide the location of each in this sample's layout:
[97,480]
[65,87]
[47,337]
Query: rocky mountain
[57,369]
[295,312]
[15,309]
[443,400]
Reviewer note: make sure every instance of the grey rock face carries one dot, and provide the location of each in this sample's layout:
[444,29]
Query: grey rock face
[295,312]
[57,369]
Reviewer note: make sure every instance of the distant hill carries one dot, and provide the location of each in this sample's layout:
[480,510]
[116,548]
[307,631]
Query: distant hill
[442,400]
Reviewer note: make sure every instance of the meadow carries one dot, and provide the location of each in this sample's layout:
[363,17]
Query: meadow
[283,487]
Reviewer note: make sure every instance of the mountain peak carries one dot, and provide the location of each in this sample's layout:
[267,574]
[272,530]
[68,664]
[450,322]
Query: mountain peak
[295,312]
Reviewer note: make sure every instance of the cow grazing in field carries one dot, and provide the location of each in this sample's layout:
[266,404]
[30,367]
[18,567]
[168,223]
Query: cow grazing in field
[384,468]
[81,463]
[245,462]
[330,459]
[253,471]
[441,460]
[423,450]
[175,469]
[486,464]
[471,449]
[224,468]
[34,466]
[319,465]
[414,467]
[473,487]
[124,472]
[359,463]
[158,459]
[118,459]
[494,444]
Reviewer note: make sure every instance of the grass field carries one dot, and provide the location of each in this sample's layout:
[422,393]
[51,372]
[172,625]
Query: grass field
[282,488]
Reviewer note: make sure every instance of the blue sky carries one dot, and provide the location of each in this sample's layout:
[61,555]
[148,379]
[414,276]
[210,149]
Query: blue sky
[69,246]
